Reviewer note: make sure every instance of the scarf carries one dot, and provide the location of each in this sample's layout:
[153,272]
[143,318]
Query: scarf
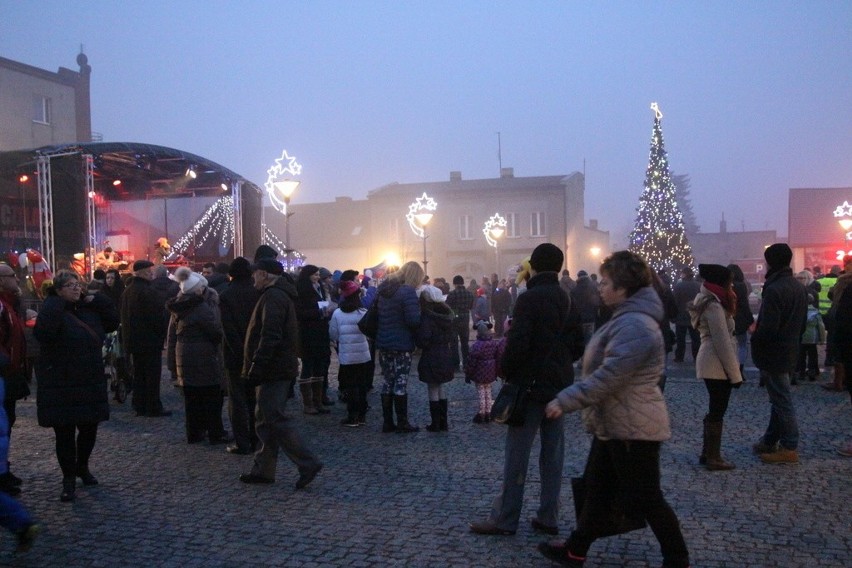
[727,297]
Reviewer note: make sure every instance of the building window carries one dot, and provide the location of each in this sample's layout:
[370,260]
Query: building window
[41,110]
[512,229]
[537,224]
[394,230]
[464,227]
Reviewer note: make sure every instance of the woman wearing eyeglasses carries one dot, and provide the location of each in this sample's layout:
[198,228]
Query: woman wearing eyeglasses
[72,389]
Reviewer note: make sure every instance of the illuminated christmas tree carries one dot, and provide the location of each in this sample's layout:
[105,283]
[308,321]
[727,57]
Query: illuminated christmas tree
[658,235]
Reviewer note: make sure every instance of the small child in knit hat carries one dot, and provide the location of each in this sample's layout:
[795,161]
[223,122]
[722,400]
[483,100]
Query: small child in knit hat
[481,369]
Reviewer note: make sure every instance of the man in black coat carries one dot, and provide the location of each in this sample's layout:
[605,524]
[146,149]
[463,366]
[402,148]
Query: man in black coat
[143,331]
[460,301]
[236,303]
[684,292]
[774,349]
[270,363]
[542,343]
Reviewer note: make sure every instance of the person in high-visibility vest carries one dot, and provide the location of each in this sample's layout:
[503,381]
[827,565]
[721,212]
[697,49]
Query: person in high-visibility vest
[826,282]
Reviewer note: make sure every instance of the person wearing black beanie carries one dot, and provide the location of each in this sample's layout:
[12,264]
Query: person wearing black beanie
[774,349]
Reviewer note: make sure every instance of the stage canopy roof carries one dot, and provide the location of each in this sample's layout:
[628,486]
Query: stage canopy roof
[144,170]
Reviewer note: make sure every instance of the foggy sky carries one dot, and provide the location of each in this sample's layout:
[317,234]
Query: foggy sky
[756,96]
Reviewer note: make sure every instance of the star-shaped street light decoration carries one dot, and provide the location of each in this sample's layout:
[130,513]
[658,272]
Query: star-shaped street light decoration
[844,210]
[277,186]
[494,229]
[420,213]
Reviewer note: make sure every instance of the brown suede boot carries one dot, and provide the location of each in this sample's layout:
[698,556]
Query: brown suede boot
[715,461]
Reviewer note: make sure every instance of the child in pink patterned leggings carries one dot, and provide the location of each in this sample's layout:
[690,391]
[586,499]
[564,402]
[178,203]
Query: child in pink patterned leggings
[481,369]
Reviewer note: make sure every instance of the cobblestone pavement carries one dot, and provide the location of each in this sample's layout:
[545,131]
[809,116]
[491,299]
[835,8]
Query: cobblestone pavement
[406,500]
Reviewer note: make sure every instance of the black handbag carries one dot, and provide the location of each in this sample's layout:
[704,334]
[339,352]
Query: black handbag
[510,406]
[617,523]
[369,322]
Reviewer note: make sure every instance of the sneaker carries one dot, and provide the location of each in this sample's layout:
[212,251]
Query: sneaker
[761,448]
[845,449]
[781,456]
[26,538]
[557,551]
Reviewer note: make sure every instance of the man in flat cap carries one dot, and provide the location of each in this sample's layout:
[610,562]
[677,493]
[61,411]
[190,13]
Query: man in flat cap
[143,330]
[774,349]
[270,363]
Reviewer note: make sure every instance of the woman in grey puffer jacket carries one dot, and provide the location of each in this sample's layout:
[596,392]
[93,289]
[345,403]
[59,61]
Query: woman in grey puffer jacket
[623,407]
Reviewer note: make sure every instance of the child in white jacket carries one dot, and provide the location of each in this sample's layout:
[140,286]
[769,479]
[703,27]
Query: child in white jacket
[353,352]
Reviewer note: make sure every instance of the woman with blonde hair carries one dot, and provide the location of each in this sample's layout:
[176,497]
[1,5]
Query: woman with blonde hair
[399,318]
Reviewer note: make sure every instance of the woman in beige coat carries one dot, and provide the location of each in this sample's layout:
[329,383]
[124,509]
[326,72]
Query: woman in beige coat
[712,314]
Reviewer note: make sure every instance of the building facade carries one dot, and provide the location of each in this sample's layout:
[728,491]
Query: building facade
[351,233]
[43,108]
[820,225]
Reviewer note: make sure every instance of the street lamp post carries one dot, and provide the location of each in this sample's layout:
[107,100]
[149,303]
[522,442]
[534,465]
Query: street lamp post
[493,230]
[280,188]
[285,190]
[420,212]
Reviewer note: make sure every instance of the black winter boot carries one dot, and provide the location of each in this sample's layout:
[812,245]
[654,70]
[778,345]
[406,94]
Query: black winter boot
[444,424]
[435,413]
[387,413]
[400,404]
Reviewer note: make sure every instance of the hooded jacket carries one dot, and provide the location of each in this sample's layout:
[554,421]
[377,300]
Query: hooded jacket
[619,391]
[399,316]
[194,340]
[717,356]
[434,337]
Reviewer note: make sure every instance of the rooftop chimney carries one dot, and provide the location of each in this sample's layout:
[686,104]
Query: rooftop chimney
[507,172]
[455,176]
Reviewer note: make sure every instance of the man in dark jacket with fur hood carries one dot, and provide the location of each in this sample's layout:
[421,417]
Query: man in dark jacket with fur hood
[774,349]
[270,363]
[544,340]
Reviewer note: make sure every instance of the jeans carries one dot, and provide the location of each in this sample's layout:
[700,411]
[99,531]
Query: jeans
[627,471]
[276,430]
[506,508]
[742,347]
[460,337]
[680,341]
[783,427]
[241,405]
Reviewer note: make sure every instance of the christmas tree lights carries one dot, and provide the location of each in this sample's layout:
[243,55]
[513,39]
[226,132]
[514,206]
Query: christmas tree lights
[658,235]
[216,222]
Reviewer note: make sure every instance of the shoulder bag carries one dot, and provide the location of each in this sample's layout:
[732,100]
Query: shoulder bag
[369,322]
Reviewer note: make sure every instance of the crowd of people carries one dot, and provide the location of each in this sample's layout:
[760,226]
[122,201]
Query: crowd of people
[252,332]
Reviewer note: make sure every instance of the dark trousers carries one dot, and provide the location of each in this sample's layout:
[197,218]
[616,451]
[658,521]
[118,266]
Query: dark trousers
[276,430]
[627,472]
[680,341]
[203,413]
[241,403]
[499,323]
[720,393]
[147,367]
[74,445]
[808,359]
[355,379]
[461,337]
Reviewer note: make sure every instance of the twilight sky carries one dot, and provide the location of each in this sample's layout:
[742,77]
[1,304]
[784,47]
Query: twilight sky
[756,96]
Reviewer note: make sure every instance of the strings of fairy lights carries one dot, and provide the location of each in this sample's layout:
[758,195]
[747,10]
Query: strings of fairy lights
[217,222]
[659,233]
